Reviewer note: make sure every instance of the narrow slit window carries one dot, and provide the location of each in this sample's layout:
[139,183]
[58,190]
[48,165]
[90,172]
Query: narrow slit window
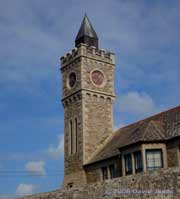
[71,138]
[76,136]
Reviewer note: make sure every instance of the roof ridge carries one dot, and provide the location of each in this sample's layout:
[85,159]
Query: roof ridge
[154,124]
[150,117]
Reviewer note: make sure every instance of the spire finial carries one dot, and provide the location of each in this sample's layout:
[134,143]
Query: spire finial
[87,34]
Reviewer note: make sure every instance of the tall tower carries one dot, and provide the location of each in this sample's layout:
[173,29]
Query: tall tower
[87,97]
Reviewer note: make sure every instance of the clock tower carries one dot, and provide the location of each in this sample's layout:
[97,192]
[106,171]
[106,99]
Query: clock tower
[87,98]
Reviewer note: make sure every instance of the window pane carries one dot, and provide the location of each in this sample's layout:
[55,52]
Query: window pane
[157,156]
[112,171]
[157,164]
[104,173]
[138,161]
[150,156]
[150,163]
[154,159]
[128,164]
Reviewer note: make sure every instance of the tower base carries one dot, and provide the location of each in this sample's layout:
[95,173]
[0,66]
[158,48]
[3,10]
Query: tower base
[77,179]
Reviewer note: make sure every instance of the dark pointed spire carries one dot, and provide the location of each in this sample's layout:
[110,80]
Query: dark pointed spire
[87,34]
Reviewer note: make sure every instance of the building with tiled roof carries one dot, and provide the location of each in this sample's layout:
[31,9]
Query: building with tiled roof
[93,151]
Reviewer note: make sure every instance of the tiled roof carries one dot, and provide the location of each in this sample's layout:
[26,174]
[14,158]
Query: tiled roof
[159,127]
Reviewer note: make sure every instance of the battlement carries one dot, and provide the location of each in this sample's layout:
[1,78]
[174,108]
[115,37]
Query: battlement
[86,51]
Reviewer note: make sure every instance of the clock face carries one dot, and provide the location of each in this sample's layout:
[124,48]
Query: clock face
[72,79]
[97,77]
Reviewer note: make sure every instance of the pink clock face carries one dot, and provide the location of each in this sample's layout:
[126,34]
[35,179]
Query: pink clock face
[97,77]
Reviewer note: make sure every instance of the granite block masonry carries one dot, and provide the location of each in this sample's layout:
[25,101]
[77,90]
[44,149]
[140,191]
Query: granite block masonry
[162,184]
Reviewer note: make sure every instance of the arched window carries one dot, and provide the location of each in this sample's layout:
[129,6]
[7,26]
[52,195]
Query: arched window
[76,136]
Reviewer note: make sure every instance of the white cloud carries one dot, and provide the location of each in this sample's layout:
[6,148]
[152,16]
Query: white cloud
[137,103]
[56,152]
[25,189]
[36,167]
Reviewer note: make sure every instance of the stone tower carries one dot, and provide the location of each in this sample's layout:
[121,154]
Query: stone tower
[87,98]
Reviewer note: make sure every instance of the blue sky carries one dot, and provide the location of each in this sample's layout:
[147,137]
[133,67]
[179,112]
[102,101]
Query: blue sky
[34,34]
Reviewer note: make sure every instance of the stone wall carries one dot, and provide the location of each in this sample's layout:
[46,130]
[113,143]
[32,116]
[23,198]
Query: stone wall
[163,184]
[98,120]
[73,164]
[94,172]
[173,152]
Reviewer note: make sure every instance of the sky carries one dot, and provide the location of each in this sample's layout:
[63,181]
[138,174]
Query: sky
[143,34]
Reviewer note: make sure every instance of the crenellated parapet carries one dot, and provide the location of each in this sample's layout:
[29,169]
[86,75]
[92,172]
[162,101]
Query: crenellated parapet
[83,50]
[69,57]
